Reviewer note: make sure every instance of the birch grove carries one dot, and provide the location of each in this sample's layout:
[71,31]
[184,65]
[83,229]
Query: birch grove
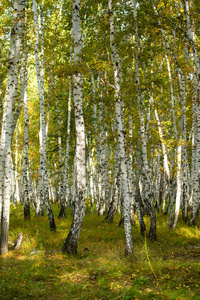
[100,109]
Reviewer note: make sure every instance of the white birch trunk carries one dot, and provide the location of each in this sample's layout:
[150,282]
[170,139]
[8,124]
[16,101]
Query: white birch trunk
[116,180]
[16,179]
[90,179]
[169,181]
[106,175]
[178,188]
[2,158]
[121,135]
[66,167]
[103,164]
[157,180]
[138,198]
[97,143]
[193,203]
[60,154]
[6,132]
[26,140]
[197,65]
[40,73]
[184,160]
[39,208]
[71,242]
[62,170]
[73,189]
[164,150]
[148,193]
[24,99]
[171,95]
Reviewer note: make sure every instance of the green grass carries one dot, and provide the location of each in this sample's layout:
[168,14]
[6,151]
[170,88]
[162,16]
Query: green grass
[166,269]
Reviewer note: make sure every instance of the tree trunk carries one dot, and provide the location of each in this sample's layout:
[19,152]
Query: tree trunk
[42,117]
[197,65]
[62,213]
[6,132]
[18,242]
[71,242]
[121,135]
[148,192]
[25,160]
[178,192]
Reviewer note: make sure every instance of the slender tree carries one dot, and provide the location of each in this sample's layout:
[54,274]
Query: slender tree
[40,80]
[23,95]
[71,242]
[121,134]
[148,192]
[7,122]
[197,66]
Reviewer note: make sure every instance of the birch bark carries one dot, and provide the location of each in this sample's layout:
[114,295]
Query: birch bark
[6,132]
[25,160]
[24,97]
[121,135]
[71,242]
[40,80]
[116,185]
[197,65]
[148,193]
[66,167]
[97,142]
[103,162]
[62,213]
[164,150]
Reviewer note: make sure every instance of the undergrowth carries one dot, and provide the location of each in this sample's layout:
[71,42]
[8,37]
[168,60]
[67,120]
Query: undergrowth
[166,269]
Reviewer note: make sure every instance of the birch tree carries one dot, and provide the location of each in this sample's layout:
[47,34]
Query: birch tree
[71,242]
[66,166]
[40,80]
[7,122]
[116,178]
[121,134]
[190,34]
[24,96]
[148,192]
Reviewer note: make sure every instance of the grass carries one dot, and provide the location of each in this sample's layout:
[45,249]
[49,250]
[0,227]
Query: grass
[166,269]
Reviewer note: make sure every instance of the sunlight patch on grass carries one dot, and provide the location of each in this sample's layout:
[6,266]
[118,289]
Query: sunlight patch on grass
[100,270]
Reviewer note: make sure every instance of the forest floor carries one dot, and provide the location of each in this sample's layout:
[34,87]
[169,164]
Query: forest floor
[166,269]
